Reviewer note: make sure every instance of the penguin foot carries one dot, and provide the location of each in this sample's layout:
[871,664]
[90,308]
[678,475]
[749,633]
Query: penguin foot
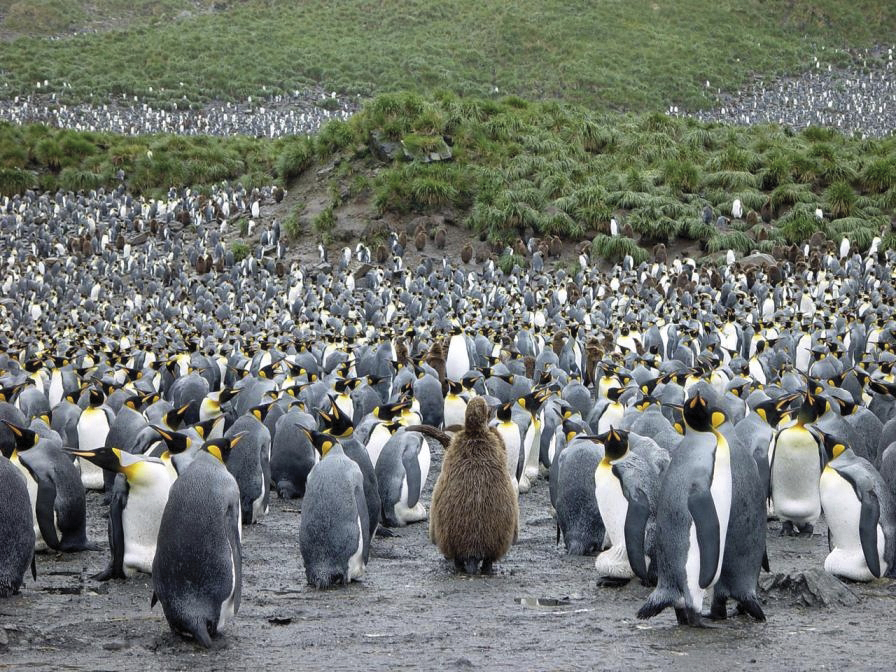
[487,568]
[385,532]
[108,573]
[787,529]
[612,582]
[805,530]
[688,616]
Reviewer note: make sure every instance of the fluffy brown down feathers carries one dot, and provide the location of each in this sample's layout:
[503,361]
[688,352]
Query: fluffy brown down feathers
[475,511]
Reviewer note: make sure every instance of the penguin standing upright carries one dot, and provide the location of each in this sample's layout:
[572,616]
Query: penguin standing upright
[531,441]
[509,432]
[572,482]
[197,570]
[138,500]
[455,406]
[626,489]
[860,513]
[457,361]
[16,530]
[334,532]
[54,485]
[795,462]
[474,515]
[250,462]
[93,427]
[401,474]
[692,517]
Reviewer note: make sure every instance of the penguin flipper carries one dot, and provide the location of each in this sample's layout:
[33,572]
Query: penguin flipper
[765,564]
[34,566]
[45,512]
[236,550]
[119,501]
[635,527]
[409,458]
[703,511]
[868,520]
[155,598]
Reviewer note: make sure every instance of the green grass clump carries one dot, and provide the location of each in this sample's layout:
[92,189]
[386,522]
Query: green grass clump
[879,175]
[240,250]
[323,224]
[839,199]
[615,248]
[733,240]
[798,225]
[292,226]
[294,158]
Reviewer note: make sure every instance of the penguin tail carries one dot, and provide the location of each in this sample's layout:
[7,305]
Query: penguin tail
[656,602]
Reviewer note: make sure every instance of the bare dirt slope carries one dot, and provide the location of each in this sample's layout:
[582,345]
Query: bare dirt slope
[412,612]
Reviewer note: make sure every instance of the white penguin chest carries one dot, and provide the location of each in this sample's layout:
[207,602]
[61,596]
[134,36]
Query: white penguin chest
[611,416]
[510,434]
[457,362]
[140,521]
[611,502]
[795,472]
[378,438]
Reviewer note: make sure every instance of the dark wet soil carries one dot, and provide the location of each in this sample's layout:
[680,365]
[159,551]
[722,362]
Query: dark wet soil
[540,610]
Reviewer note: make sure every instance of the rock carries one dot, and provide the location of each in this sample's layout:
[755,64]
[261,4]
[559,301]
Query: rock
[757,259]
[4,638]
[812,588]
[436,150]
[384,149]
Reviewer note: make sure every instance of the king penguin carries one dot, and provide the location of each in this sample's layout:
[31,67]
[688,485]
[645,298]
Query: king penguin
[626,489]
[401,474]
[54,485]
[795,461]
[197,570]
[692,517]
[16,530]
[334,531]
[860,513]
[93,427]
[138,500]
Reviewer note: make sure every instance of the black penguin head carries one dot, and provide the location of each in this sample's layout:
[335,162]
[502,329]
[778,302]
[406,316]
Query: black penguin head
[175,417]
[134,402]
[388,412]
[321,441]
[571,429]
[104,458]
[846,407]
[176,442]
[773,411]
[614,393]
[615,443]
[204,428]
[699,417]
[813,407]
[505,412]
[336,422]
[96,396]
[833,446]
[260,412]
[24,439]
[222,447]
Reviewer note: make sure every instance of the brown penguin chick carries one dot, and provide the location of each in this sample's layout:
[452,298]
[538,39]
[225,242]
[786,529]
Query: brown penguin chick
[466,253]
[420,241]
[556,246]
[519,247]
[474,516]
[382,254]
[659,253]
[766,212]
[441,234]
[436,359]
[278,194]
[481,254]
[752,218]
[403,239]
[558,342]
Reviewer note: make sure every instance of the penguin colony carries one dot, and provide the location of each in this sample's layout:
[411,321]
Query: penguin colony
[671,408]
[296,113]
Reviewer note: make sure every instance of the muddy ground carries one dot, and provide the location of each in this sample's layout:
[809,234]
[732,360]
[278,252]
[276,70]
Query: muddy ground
[412,612]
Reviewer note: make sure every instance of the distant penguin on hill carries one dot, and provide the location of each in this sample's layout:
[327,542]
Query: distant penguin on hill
[334,532]
[474,515]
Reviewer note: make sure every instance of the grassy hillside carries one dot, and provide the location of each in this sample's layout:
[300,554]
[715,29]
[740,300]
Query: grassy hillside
[631,54]
[517,167]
